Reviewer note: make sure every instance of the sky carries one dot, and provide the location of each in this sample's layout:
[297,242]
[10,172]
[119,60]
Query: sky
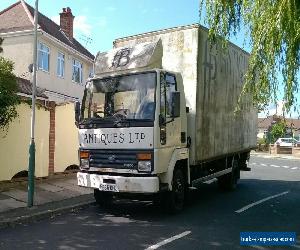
[105,20]
[98,23]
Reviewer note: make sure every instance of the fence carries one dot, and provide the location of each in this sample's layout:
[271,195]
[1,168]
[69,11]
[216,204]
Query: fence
[276,149]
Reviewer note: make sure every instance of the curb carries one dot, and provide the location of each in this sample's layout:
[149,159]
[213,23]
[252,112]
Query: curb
[289,157]
[7,184]
[44,214]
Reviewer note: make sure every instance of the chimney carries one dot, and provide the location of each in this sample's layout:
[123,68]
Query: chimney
[66,22]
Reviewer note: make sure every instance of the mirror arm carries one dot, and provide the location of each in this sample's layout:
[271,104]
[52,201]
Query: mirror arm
[168,121]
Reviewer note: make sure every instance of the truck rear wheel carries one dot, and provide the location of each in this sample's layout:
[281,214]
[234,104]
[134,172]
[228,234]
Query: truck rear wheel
[103,199]
[174,200]
[229,181]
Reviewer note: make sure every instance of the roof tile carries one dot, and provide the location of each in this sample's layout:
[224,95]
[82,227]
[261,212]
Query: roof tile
[25,87]
[265,123]
[15,18]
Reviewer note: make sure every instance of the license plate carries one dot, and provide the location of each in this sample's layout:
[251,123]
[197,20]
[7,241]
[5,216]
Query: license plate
[108,187]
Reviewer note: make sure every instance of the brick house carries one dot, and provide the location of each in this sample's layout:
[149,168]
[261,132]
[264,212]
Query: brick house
[63,63]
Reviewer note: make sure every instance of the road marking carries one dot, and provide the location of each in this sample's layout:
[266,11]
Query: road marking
[260,201]
[275,166]
[285,166]
[166,241]
[275,156]
[254,163]
[294,168]
[264,165]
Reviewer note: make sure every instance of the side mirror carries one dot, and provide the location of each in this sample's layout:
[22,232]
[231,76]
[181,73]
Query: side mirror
[77,111]
[175,105]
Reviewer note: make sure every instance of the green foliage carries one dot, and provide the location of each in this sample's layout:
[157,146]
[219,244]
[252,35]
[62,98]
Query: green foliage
[261,141]
[278,130]
[8,96]
[274,31]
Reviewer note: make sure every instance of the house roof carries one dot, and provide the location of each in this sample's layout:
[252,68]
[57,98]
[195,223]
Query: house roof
[295,123]
[19,17]
[265,123]
[25,87]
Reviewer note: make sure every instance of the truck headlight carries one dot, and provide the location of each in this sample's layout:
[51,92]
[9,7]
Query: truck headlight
[84,159]
[144,166]
[84,163]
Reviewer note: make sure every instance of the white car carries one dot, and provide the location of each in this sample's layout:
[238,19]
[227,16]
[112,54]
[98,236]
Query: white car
[287,142]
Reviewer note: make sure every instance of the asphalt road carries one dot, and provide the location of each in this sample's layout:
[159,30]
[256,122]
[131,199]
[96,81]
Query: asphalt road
[267,199]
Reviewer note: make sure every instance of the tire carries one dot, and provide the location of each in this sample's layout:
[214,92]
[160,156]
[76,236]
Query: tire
[229,181]
[103,199]
[174,200]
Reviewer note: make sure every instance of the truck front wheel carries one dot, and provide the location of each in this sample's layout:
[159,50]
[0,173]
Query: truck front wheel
[174,201]
[103,199]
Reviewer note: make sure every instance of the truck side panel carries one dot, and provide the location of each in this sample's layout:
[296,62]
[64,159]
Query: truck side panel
[219,131]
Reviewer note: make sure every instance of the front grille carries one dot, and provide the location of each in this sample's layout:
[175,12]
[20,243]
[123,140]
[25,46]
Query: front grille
[113,159]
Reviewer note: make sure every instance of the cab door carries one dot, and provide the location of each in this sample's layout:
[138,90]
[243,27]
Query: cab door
[169,128]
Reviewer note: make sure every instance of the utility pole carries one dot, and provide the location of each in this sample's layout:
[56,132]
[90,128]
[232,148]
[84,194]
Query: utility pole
[31,165]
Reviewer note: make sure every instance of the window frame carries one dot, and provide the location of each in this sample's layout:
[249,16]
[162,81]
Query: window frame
[43,50]
[60,69]
[80,67]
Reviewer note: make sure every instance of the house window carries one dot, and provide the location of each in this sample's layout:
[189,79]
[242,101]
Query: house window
[43,57]
[91,72]
[77,71]
[60,64]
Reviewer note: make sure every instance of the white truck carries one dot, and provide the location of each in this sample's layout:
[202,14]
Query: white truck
[158,117]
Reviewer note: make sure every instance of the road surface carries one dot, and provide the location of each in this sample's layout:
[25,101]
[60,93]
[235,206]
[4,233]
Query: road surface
[267,199]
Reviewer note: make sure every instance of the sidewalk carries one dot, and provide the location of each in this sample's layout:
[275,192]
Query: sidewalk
[53,195]
[280,156]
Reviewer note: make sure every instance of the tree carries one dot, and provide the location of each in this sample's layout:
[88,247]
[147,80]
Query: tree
[8,90]
[278,130]
[273,27]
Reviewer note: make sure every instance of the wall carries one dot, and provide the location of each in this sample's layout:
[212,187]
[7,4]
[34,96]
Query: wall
[14,145]
[62,153]
[17,47]
[66,138]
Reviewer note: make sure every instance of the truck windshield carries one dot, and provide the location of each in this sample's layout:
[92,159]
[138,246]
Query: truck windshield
[122,97]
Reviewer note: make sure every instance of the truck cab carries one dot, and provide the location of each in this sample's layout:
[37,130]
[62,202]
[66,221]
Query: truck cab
[132,126]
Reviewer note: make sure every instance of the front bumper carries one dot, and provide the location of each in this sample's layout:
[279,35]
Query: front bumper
[123,184]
